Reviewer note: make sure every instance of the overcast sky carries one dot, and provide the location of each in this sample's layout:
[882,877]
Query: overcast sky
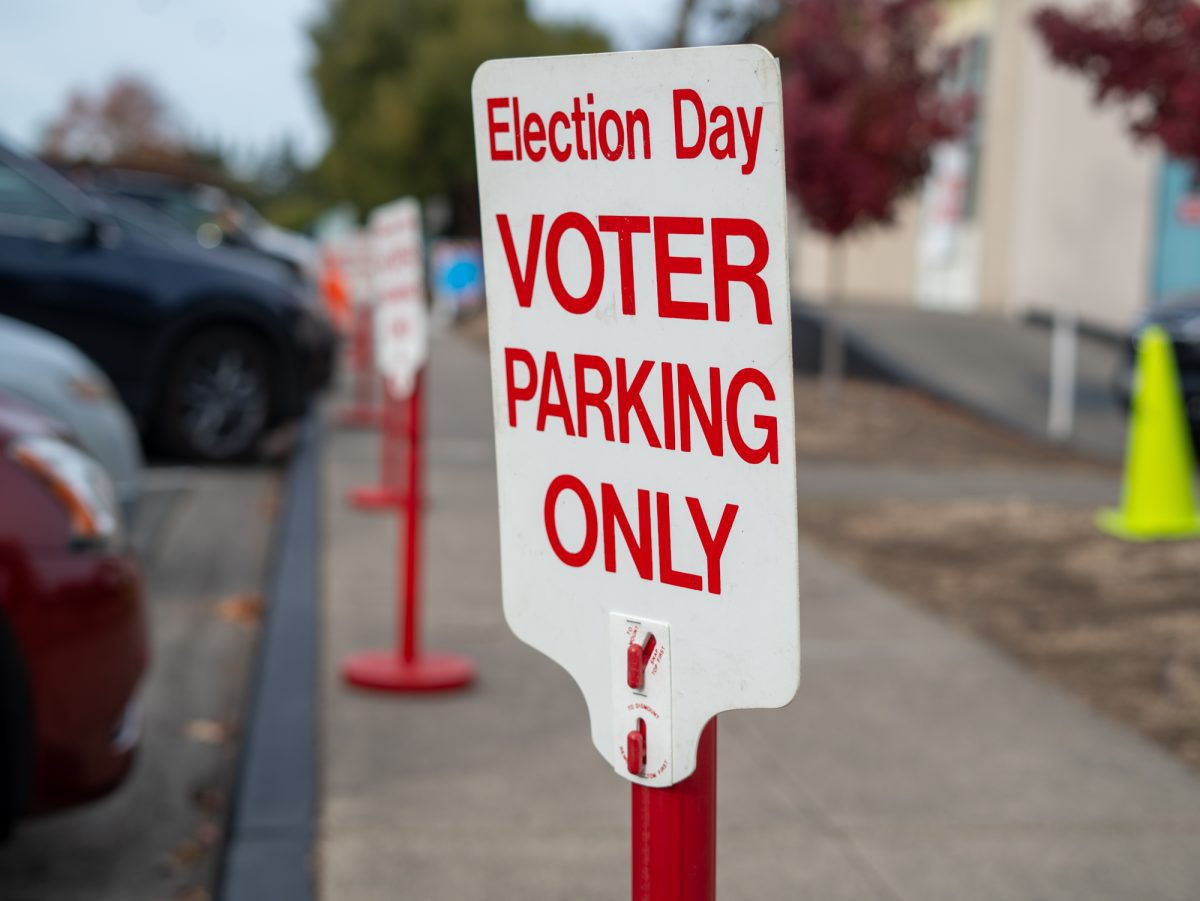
[234,70]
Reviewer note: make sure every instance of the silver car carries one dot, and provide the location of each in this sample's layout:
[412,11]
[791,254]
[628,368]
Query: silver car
[51,375]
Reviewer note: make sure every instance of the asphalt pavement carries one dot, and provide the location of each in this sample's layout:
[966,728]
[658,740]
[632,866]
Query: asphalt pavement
[204,536]
[916,764]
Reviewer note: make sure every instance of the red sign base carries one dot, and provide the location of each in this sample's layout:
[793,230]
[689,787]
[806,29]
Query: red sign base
[387,671]
[376,497]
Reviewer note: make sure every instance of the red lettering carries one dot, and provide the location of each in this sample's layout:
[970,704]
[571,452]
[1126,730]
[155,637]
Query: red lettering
[559,119]
[591,295]
[685,151]
[748,274]
[557,487]
[629,399]
[638,117]
[552,380]
[612,516]
[713,545]
[653,526]
[597,399]
[624,227]
[522,281]
[689,400]
[516,106]
[611,151]
[668,407]
[495,128]
[512,356]
[535,132]
[769,449]
[667,265]
[666,573]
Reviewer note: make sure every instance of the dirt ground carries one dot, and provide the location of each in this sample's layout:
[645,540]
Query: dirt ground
[1115,622]
[871,422]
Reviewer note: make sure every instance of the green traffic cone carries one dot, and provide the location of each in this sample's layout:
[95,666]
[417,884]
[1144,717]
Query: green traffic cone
[1158,499]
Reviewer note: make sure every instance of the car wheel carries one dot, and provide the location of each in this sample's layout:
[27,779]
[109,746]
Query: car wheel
[218,399]
[16,725]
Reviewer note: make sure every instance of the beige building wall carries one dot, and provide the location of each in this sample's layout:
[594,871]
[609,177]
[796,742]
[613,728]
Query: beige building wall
[879,263]
[1066,198]
[1001,115]
[1082,227]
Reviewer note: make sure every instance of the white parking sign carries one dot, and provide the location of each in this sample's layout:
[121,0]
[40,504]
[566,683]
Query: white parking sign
[398,267]
[635,254]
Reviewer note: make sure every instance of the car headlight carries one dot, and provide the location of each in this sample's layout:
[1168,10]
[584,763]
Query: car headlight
[78,482]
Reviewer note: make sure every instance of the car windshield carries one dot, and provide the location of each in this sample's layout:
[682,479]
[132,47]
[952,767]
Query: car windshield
[146,222]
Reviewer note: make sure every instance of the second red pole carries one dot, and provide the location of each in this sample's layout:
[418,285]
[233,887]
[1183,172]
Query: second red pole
[408,667]
[409,624]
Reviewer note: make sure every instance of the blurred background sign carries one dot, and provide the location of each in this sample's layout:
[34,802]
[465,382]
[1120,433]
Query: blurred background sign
[456,272]
[397,265]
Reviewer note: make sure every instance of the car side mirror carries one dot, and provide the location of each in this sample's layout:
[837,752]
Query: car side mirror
[97,231]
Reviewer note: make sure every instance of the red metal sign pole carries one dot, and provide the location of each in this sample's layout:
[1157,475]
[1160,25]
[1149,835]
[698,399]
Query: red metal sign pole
[363,413]
[408,668]
[675,833]
[393,437]
[410,624]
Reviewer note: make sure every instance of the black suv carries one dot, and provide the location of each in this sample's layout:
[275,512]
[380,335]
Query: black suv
[208,349]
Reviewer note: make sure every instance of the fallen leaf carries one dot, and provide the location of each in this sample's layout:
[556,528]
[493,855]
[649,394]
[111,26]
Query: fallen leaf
[209,732]
[188,852]
[208,799]
[245,608]
[208,833]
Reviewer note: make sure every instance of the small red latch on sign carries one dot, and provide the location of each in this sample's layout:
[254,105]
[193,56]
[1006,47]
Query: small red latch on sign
[635,749]
[638,657]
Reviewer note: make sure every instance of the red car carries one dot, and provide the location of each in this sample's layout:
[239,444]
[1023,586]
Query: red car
[72,631]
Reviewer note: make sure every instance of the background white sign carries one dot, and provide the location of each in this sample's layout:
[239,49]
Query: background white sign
[401,318]
[634,233]
[352,251]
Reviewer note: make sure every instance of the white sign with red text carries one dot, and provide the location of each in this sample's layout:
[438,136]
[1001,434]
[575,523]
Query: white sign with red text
[634,234]
[401,318]
[352,254]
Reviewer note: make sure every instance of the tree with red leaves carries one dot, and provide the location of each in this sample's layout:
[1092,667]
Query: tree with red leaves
[1147,57]
[127,124]
[862,115]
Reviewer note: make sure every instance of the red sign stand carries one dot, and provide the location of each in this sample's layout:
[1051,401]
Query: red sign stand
[675,833]
[408,668]
[395,434]
[363,413]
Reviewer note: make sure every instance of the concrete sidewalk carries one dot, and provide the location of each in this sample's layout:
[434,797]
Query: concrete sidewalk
[915,764]
[999,368]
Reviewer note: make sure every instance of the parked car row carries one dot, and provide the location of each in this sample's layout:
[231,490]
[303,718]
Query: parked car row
[123,324]
[72,634]
[207,347]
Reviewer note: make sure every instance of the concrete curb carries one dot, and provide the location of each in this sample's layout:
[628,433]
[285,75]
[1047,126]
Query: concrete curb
[271,830]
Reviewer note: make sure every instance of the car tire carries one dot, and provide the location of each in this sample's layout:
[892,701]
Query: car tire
[16,725]
[218,397]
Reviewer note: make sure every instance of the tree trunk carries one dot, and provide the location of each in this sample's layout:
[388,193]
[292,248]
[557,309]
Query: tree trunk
[833,359]
[679,34]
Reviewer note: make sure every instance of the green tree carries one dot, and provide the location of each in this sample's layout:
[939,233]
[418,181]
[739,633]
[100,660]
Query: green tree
[394,80]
